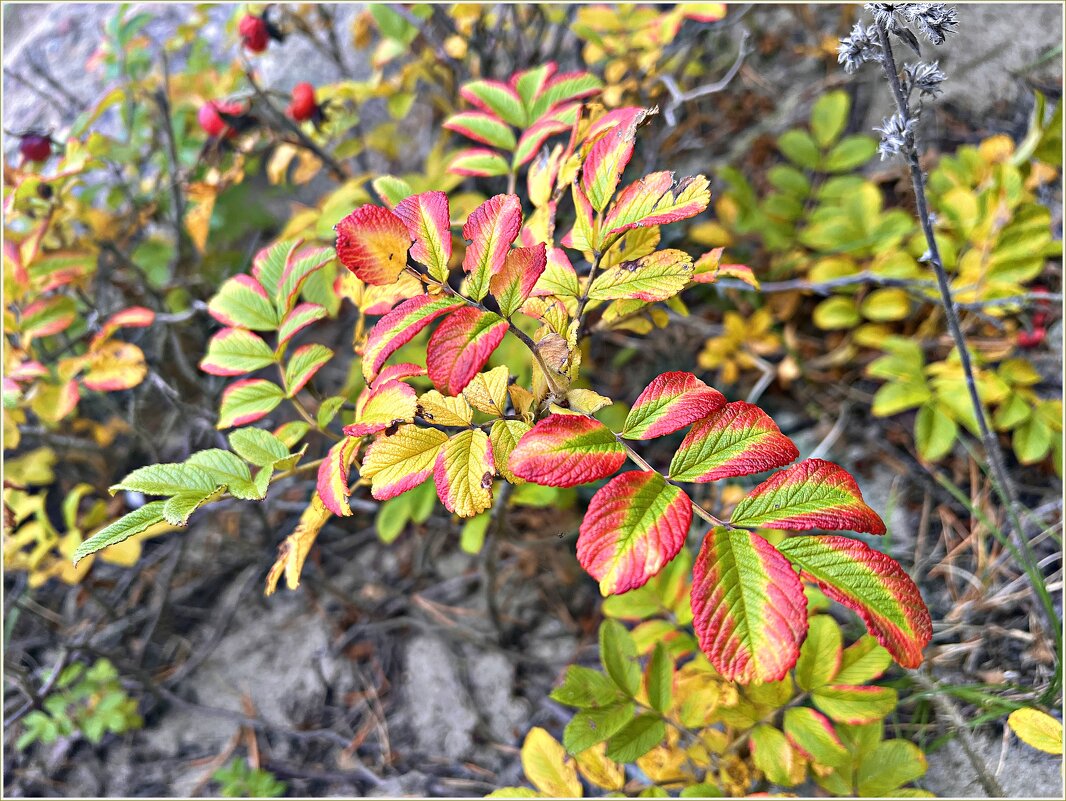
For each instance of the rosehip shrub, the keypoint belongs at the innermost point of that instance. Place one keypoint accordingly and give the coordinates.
(254, 33)
(303, 105)
(35, 147)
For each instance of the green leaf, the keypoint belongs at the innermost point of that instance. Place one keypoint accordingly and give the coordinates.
(772, 754)
(585, 688)
(836, 314)
(820, 653)
(660, 679)
(392, 189)
(227, 469)
(122, 529)
(899, 396)
(815, 735)
(392, 518)
(619, 656)
(799, 148)
(167, 479)
(701, 790)
(890, 765)
(855, 705)
(934, 432)
(243, 303)
(829, 116)
(851, 152)
(638, 737)
(1032, 440)
(303, 365)
(592, 726)
(789, 180)
(328, 409)
(177, 508)
(260, 447)
(247, 401)
(472, 537)
(863, 661)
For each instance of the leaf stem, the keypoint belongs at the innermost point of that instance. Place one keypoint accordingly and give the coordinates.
(644, 465)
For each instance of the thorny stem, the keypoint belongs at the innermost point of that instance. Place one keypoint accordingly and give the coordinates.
(995, 454)
(556, 390)
(1000, 480)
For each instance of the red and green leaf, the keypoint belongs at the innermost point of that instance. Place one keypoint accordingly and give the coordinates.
(373, 242)
(497, 98)
(537, 134)
(298, 319)
(490, 228)
(463, 473)
(656, 200)
(605, 163)
(241, 302)
(398, 462)
(669, 403)
(400, 326)
(388, 404)
(479, 162)
(564, 450)
(737, 440)
(332, 482)
(813, 494)
(132, 317)
(460, 347)
(248, 400)
(427, 219)
(298, 268)
(871, 584)
(563, 88)
(748, 606)
(559, 277)
(302, 366)
(514, 283)
(236, 351)
(634, 526)
(584, 236)
(481, 127)
(658, 276)
(48, 316)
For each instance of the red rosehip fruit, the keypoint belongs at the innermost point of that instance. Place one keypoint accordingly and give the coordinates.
(254, 34)
(1031, 339)
(213, 123)
(35, 147)
(303, 105)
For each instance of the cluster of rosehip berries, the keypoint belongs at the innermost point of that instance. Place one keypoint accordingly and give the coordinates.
(225, 119)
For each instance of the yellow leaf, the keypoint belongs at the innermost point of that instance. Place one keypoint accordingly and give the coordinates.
(586, 401)
(487, 392)
(1037, 729)
(115, 365)
(463, 473)
(198, 218)
(293, 551)
(547, 766)
(444, 411)
(598, 769)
